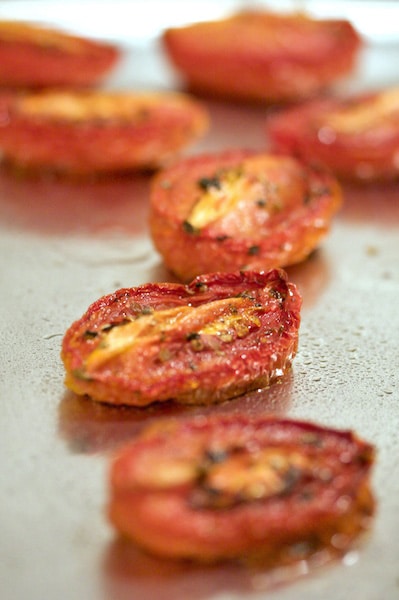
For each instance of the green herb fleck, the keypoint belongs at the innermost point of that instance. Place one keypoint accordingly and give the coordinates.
(275, 294)
(189, 228)
(209, 182)
(193, 335)
(89, 335)
(253, 250)
(245, 294)
(81, 374)
(201, 286)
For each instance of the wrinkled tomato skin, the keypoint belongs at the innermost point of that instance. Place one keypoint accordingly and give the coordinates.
(237, 332)
(260, 56)
(326, 498)
(249, 234)
(364, 155)
(33, 57)
(146, 139)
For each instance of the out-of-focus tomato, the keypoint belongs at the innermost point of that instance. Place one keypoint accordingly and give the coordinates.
(263, 56)
(218, 337)
(239, 210)
(356, 138)
(36, 56)
(80, 132)
(224, 487)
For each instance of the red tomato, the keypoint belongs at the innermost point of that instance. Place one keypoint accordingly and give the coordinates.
(224, 487)
(239, 210)
(35, 56)
(356, 138)
(81, 132)
(263, 56)
(218, 337)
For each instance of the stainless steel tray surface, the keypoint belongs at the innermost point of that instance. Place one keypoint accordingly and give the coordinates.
(64, 244)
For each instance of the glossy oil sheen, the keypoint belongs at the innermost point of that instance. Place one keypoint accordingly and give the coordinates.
(63, 245)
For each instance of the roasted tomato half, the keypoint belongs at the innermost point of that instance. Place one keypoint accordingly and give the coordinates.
(239, 210)
(356, 138)
(95, 131)
(35, 56)
(225, 487)
(263, 56)
(218, 337)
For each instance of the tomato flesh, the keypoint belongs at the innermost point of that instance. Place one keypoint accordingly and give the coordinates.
(32, 56)
(263, 56)
(84, 132)
(355, 138)
(239, 210)
(223, 487)
(218, 337)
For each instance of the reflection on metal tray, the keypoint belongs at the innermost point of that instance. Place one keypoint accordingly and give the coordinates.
(64, 244)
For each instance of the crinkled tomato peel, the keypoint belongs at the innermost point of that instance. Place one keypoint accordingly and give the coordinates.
(263, 56)
(218, 337)
(356, 138)
(87, 131)
(226, 487)
(34, 56)
(239, 210)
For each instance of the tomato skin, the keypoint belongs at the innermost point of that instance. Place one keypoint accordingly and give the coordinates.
(356, 138)
(273, 212)
(220, 336)
(33, 56)
(263, 56)
(84, 132)
(224, 487)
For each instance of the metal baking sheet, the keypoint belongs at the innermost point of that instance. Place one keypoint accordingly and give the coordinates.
(64, 244)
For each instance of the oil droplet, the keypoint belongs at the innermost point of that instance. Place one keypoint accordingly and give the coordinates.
(350, 558)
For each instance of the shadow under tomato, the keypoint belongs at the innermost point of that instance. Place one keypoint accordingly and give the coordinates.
(311, 276)
(129, 572)
(49, 205)
(275, 399)
(376, 203)
(234, 125)
(90, 427)
(159, 272)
